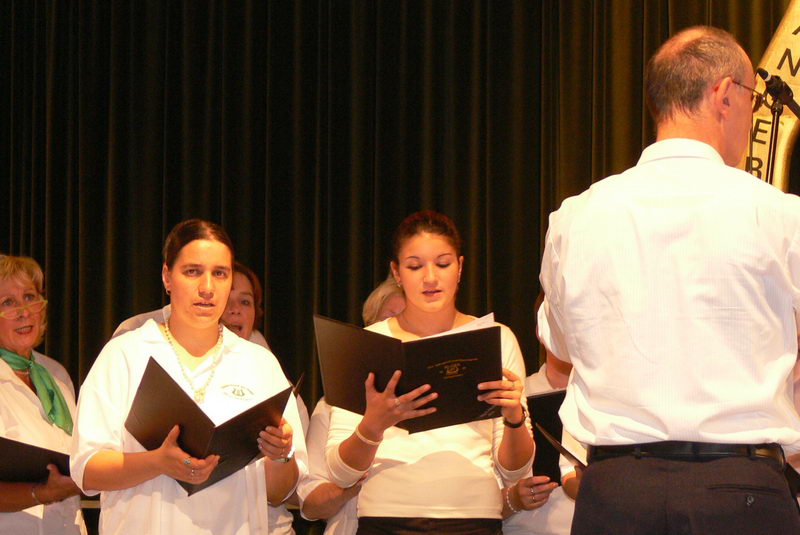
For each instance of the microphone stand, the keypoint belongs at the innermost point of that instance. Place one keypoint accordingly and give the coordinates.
(777, 109)
(781, 94)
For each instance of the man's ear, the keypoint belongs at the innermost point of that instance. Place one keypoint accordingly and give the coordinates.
(721, 96)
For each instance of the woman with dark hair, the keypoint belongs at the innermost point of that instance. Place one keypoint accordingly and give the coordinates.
(37, 406)
(244, 309)
(224, 373)
(443, 480)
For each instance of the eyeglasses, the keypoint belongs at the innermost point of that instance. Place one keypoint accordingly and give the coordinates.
(755, 97)
(12, 313)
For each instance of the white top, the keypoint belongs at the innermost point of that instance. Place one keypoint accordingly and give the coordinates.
(441, 473)
(279, 517)
(555, 516)
(22, 418)
(236, 505)
(345, 521)
(672, 289)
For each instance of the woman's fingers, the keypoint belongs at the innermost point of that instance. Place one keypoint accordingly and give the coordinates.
(419, 402)
(533, 492)
(505, 392)
(413, 395)
(182, 466)
(511, 383)
(511, 376)
(392, 384)
(276, 442)
(196, 470)
(501, 395)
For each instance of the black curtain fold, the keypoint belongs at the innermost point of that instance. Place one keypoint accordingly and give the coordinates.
(309, 129)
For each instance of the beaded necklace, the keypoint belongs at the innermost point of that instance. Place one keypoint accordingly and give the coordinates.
(199, 393)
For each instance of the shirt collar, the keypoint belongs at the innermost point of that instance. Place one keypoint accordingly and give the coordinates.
(7, 373)
(679, 148)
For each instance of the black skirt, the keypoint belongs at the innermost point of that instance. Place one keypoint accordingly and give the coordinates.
(387, 525)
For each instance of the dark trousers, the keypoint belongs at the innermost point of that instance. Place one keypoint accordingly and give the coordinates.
(652, 496)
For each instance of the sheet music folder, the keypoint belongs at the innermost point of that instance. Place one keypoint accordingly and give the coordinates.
(544, 411)
(160, 403)
(21, 462)
(453, 364)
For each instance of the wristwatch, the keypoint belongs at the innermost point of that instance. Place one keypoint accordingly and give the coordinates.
(288, 457)
(514, 425)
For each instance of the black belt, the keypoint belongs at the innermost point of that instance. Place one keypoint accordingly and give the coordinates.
(688, 451)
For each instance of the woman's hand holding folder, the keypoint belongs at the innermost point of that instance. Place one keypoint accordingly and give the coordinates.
(385, 409)
(181, 466)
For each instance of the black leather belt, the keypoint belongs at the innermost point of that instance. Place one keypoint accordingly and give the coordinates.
(688, 451)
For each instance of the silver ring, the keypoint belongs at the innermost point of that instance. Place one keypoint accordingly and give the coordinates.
(187, 461)
(396, 402)
(533, 493)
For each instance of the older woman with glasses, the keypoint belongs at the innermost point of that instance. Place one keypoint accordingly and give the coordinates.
(37, 406)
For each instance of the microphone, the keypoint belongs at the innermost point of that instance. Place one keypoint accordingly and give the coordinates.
(779, 90)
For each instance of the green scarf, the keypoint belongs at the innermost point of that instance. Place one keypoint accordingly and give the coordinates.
(46, 388)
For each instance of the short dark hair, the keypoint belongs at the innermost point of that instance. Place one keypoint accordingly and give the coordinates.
(425, 221)
(683, 67)
(238, 267)
(188, 231)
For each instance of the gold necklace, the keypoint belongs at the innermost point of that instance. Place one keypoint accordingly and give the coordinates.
(200, 393)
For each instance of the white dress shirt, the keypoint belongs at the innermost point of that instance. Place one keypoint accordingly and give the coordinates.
(672, 289)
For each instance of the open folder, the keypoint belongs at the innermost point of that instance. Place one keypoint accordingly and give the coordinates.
(544, 412)
(160, 403)
(21, 462)
(453, 364)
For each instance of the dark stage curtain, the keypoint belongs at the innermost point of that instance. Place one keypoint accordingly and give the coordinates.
(309, 129)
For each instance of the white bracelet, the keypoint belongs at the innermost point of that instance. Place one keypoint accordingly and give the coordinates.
(365, 440)
(508, 500)
(33, 494)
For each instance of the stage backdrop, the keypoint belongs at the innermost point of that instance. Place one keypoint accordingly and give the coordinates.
(309, 129)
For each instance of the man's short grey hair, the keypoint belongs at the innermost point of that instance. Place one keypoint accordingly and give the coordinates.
(685, 65)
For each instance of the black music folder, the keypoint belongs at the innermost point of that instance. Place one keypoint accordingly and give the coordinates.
(544, 411)
(453, 364)
(21, 462)
(160, 403)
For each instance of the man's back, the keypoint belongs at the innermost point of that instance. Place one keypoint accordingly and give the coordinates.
(672, 288)
(675, 282)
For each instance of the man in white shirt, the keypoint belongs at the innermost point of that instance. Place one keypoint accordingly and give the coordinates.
(671, 288)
